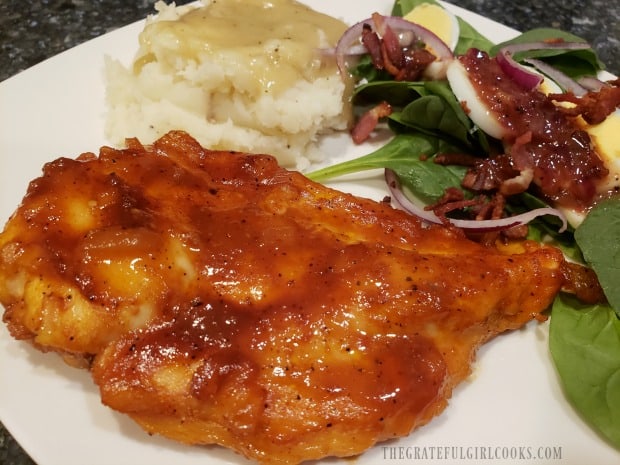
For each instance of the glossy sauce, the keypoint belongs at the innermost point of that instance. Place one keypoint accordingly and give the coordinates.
(226, 300)
(277, 42)
(566, 167)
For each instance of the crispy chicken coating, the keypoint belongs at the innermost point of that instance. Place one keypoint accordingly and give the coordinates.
(219, 298)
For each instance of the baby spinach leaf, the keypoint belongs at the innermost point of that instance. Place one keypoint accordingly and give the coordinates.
(469, 37)
(432, 122)
(400, 149)
(365, 69)
(443, 90)
(585, 346)
(396, 93)
(574, 63)
(598, 237)
(402, 7)
(427, 180)
(545, 228)
(437, 112)
(541, 34)
(433, 115)
(409, 155)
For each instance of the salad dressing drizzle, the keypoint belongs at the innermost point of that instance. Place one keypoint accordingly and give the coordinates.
(566, 168)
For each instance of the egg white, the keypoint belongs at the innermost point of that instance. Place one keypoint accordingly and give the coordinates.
(465, 92)
(605, 136)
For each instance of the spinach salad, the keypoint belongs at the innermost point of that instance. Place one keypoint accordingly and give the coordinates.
(427, 120)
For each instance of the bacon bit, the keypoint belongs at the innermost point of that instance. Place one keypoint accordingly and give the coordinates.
(500, 173)
(392, 51)
(389, 66)
(451, 194)
(416, 61)
(491, 210)
(452, 199)
(460, 159)
(379, 22)
(516, 232)
(387, 54)
(372, 42)
(565, 166)
(465, 108)
(594, 106)
(489, 174)
(495, 210)
(479, 208)
(524, 138)
(368, 122)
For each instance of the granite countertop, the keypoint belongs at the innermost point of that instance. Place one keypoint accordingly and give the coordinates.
(32, 31)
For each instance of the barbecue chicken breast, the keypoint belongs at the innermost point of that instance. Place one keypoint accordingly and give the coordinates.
(219, 298)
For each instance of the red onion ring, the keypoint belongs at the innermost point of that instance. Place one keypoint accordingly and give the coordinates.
(408, 32)
(522, 76)
(557, 76)
(591, 83)
(471, 225)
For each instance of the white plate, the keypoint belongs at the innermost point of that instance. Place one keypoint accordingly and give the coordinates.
(511, 410)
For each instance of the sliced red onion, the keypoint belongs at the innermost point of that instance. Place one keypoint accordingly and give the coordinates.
(525, 78)
(404, 202)
(518, 73)
(591, 83)
(557, 76)
(471, 225)
(408, 32)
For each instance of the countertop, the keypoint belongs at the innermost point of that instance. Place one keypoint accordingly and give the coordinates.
(33, 31)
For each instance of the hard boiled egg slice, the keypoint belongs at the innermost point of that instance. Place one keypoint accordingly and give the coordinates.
(437, 19)
(477, 110)
(605, 138)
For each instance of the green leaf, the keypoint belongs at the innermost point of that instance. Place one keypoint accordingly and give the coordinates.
(598, 237)
(437, 112)
(427, 180)
(401, 149)
(402, 7)
(585, 346)
(574, 63)
(365, 69)
(433, 115)
(545, 228)
(443, 90)
(541, 34)
(397, 93)
(469, 37)
(409, 155)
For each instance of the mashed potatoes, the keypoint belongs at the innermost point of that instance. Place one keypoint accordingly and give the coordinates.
(243, 75)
